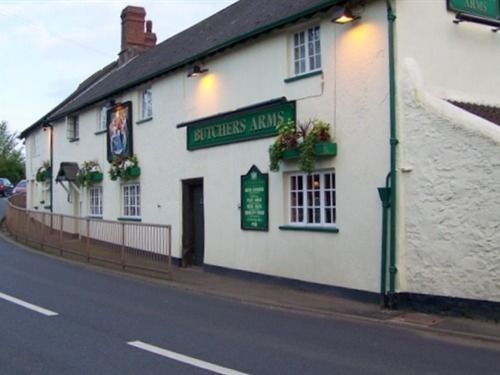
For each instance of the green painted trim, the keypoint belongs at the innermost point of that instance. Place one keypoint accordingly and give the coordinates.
(100, 132)
(139, 122)
(211, 51)
(309, 228)
(123, 218)
(303, 76)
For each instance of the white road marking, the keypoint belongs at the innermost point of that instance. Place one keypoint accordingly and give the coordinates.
(184, 358)
(28, 305)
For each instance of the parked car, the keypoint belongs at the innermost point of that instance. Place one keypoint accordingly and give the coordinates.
(20, 187)
(5, 187)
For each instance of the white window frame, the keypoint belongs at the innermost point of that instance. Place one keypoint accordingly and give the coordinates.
(102, 118)
(131, 200)
(95, 201)
(73, 128)
(312, 199)
(306, 50)
(146, 104)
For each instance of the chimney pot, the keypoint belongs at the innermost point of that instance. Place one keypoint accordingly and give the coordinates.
(134, 39)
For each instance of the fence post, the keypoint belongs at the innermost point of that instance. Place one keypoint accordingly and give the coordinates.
(43, 230)
(61, 218)
(26, 238)
(169, 247)
(123, 245)
(87, 242)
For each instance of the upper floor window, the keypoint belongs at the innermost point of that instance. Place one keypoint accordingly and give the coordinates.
(307, 51)
(147, 104)
(103, 118)
(73, 128)
(312, 199)
(131, 194)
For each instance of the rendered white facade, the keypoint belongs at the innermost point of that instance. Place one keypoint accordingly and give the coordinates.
(352, 94)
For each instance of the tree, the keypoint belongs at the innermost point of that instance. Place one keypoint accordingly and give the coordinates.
(11, 156)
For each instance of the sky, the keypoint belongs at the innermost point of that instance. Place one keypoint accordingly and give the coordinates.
(47, 47)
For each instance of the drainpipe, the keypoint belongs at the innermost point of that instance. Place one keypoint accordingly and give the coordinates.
(51, 152)
(391, 300)
(385, 196)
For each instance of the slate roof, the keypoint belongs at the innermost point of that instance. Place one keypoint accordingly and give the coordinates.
(235, 24)
(489, 113)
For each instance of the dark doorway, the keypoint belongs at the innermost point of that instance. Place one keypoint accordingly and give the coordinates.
(193, 222)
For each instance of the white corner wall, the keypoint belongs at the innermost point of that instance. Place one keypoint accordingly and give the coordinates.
(450, 213)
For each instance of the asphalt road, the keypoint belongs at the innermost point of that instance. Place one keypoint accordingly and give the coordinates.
(85, 321)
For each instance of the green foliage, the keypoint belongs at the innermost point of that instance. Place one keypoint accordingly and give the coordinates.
(316, 131)
(44, 172)
(125, 168)
(89, 173)
(11, 156)
(288, 138)
(303, 138)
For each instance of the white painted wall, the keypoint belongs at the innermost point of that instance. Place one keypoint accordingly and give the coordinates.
(457, 61)
(351, 94)
(450, 222)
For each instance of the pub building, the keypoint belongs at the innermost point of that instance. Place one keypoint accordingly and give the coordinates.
(320, 141)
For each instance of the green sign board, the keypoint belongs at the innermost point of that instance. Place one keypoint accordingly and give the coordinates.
(238, 126)
(482, 8)
(254, 200)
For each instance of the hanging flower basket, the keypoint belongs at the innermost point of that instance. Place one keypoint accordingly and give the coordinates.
(89, 174)
(325, 149)
(131, 172)
(44, 173)
(304, 142)
(124, 168)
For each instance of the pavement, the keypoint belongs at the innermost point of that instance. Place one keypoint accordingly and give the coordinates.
(294, 297)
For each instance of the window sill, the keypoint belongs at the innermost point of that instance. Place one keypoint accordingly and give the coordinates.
(309, 228)
(98, 217)
(71, 140)
(126, 218)
(303, 76)
(144, 120)
(100, 132)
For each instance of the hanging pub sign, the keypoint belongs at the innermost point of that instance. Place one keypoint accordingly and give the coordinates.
(242, 125)
(255, 200)
(119, 131)
(482, 8)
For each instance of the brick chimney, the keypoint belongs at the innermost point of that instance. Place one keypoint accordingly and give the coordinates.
(135, 39)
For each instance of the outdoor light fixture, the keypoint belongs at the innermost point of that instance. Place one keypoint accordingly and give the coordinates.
(196, 70)
(344, 14)
(461, 17)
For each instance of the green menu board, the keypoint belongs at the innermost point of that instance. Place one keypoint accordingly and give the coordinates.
(254, 200)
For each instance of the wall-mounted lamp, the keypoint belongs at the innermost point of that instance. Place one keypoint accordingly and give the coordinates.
(196, 70)
(461, 17)
(344, 14)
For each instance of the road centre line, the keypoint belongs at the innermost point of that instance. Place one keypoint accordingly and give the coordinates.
(184, 358)
(28, 305)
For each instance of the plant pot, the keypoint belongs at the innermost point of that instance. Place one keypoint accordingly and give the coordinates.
(134, 172)
(95, 176)
(325, 149)
(291, 153)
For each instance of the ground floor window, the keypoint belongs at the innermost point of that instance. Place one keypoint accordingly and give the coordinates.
(95, 200)
(312, 199)
(131, 200)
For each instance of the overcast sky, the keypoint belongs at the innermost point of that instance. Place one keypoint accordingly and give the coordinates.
(47, 47)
